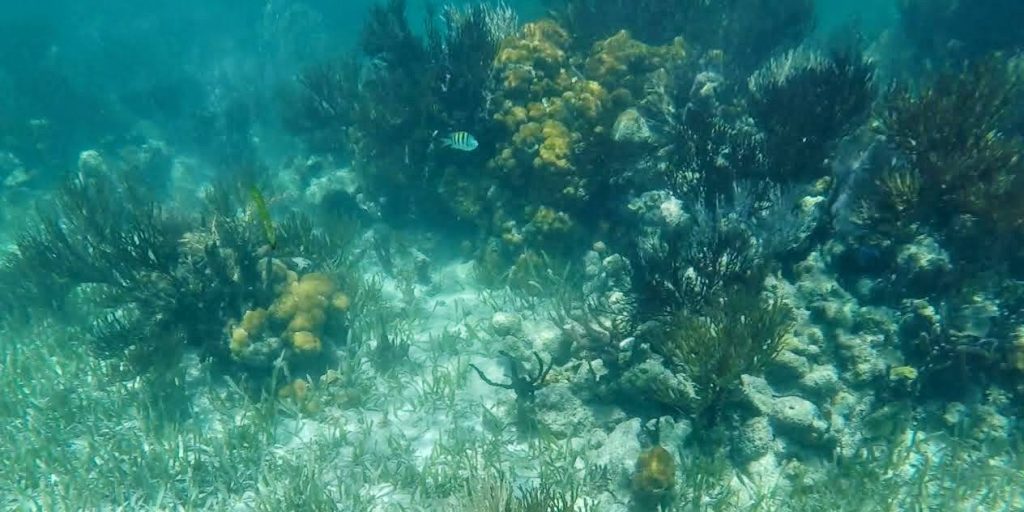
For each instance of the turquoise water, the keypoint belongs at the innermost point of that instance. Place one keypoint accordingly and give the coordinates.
(551, 256)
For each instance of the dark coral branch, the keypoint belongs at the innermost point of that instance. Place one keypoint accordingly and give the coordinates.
(522, 383)
(952, 135)
(739, 336)
(805, 102)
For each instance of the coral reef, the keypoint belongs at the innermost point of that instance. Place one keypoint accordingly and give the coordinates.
(948, 184)
(740, 337)
(561, 108)
(678, 214)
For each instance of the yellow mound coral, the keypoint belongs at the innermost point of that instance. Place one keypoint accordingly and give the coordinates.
(251, 325)
(554, 151)
(305, 341)
(310, 293)
(655, 475)
(541, 47)
(623, 63)
(303, 308)
(550, 111)
(254, 319)
(341, 302)
(549, 221)
(558, 106)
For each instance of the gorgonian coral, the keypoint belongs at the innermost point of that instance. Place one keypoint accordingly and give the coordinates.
(804, 102)
(962, 166)
(389, 105)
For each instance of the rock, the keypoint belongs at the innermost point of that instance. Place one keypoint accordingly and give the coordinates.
(562, 412)
(619, 450)
(788, 368)
(975, 319)
(506, 324)
(631, 127)
(17, 178)
(800, 419)
(659, 209)
(861, 357)
(651, 378)
(705, 86)
(753, 440)
(12, 172)
(756, 392)
(834, 313)
(922, 265)
(822, 381)
(672, 213)
(339, 181)
(671, 432)
(91, 163)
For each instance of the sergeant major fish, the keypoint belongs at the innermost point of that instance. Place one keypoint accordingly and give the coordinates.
(462, 141)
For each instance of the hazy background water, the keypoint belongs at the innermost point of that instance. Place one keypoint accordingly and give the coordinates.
(189, 71)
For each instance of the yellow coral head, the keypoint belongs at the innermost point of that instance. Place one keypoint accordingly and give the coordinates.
(306, 342)
(655, 472)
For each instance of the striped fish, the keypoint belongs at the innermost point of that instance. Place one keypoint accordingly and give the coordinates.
(461, 141)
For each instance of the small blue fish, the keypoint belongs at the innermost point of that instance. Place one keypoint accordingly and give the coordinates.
(461, 141)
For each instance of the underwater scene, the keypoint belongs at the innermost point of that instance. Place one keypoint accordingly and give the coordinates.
(531, 256)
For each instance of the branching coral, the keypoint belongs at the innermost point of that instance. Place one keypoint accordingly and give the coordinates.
(713, 350)
(393, 101)
(711, 148)
(960, 163)
(318, 106)
(523, 384)
(105, 234)
(804, 102)
(717, 246)
(465, 46)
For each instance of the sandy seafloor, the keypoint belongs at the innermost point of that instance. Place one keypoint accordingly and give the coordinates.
(430, 435)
